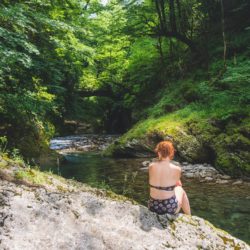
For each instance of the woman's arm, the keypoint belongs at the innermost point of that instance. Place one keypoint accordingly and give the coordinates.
(178, 183)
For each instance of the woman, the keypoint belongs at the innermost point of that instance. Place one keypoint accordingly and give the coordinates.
(166, 193)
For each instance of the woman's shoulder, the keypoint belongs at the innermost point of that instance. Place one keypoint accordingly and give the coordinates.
(151, 165)
(154, 162)
(175, 167)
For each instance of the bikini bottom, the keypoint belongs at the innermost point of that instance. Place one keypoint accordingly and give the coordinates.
(166, 206)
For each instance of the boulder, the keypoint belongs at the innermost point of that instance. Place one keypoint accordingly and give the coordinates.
(92, 219)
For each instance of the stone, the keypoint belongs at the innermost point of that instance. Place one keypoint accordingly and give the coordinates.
(146, 163)
(225, 177)
(94, 221)
(238, 182)
(209, 179)
(82, 143)
(222, 181)
(189, 175)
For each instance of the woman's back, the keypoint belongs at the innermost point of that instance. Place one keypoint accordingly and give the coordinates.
(166, 193)
(163, 174)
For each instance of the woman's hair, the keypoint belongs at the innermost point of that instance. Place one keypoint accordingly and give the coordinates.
(166, 149)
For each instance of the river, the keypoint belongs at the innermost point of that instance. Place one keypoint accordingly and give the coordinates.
(224, 205)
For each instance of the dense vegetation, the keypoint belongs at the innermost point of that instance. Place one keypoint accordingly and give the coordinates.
(107, 65)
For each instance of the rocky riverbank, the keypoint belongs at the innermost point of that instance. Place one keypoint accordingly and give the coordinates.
(82, 143)
(55, 213)
(203, 141)
(99, 143)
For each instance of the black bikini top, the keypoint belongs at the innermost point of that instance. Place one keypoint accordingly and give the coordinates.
(169, 188)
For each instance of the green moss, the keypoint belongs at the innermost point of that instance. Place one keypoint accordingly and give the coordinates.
(187, 220)
(228, 241)
(61, 188)
(114, 196)
(31, 176)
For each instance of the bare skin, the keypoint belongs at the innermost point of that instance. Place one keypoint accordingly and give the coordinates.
(163, 173)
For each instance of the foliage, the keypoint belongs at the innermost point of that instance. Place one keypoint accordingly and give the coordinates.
(110, 65)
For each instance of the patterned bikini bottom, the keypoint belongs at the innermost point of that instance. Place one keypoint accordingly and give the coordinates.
(166, 206)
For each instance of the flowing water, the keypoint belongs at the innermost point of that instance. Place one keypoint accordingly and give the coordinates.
(226, 206)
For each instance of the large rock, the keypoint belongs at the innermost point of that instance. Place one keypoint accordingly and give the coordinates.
(131, 148)
(89, 219)
(195, 142)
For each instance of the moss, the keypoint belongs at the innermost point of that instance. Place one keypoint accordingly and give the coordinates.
(114, 196)
(172, 225)
(218, 135)
(61, 188)
(3, 164)
(31, 176)
(228, 241)
(188, 220)
(35, 138)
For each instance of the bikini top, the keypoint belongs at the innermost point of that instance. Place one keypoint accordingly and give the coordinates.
(169, 188)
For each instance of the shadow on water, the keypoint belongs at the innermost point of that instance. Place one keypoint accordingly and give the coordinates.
(226, 206)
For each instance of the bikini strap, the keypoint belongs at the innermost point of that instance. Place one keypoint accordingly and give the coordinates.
(170, 188)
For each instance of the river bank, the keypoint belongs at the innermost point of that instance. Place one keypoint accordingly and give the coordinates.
(100, 143)
(65, 214)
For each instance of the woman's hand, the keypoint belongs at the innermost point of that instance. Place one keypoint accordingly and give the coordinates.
(178, 183)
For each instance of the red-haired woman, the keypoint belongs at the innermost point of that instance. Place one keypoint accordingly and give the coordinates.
(166, 193)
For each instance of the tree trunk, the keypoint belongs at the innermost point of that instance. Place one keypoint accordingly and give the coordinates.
(172, 18)
(223, 34)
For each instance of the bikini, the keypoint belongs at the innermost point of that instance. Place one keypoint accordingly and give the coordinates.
(165, 206)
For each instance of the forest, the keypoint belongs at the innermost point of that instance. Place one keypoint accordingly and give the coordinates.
(164, 68)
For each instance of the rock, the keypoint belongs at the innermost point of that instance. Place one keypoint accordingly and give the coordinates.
(189, 175)
(238, 182)
(203, 174)
(96, 222)
(209, 179)
(176, 163)
(222, 181)
(83, 143)
(225, 177)
(146, 163)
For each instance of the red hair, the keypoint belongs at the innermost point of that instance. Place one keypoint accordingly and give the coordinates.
(166, 149)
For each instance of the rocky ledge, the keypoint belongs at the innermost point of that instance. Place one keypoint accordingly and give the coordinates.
(44, 211)
(80, 217)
